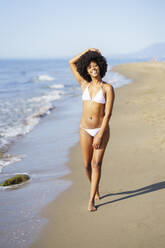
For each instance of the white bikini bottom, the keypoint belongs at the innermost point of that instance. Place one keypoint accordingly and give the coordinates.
(92, 132)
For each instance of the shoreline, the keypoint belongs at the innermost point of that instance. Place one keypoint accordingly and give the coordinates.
(130, 212)
(45, 160)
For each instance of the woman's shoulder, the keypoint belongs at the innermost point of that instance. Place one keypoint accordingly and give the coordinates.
(107, 86)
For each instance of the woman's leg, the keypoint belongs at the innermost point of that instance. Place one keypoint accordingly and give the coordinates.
(96, 169)
(87, 151)
(86, 142)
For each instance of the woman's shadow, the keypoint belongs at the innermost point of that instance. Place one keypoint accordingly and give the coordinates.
(144, 190)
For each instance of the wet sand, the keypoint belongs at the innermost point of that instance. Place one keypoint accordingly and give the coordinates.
(130, 212)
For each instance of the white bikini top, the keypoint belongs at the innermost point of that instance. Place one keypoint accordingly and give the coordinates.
(99, 97)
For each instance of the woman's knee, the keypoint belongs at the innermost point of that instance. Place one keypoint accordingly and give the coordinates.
(96, 164)
(87, 165)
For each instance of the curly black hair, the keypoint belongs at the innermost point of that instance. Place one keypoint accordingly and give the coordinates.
(85, 59)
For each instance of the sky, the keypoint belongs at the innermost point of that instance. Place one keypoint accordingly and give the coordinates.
(64, 28)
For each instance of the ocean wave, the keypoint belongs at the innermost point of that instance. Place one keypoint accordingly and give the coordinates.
(20, 130)
(9, 134)
(44, 110)
(34, 119)
(56, 86)
(25, 116)
(45, 77)
(116, 79)
(51, 96)
(7, 159)
(29, 123)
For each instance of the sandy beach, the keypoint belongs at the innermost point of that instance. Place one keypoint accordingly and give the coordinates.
(130, 212)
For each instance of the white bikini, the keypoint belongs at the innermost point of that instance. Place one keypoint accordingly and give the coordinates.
(99, 97)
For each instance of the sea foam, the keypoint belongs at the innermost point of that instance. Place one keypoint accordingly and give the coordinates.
(56, 86)
(45, 77)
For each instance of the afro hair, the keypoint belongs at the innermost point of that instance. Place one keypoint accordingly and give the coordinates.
(85, 59)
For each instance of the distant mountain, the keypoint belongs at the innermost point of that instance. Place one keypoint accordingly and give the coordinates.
(154, 51)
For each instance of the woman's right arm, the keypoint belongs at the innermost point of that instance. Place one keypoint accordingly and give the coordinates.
(74, 68)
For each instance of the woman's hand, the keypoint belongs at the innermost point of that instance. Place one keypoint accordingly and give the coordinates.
(72, 61)
(93, 50)
(96, 142)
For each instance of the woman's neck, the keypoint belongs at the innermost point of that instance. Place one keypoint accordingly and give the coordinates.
(96, 80)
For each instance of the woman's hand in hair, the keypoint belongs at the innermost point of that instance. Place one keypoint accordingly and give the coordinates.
(94, 50)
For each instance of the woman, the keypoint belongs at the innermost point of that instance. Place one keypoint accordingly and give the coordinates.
(89, 67)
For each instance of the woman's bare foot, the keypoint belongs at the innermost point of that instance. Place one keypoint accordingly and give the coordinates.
(91, 206)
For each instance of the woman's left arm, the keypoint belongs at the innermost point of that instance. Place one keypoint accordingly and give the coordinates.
(110, 96)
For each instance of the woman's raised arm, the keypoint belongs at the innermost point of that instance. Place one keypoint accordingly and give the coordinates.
(74, 68)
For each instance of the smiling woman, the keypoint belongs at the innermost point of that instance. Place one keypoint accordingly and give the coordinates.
(91, 59)
(89, 68)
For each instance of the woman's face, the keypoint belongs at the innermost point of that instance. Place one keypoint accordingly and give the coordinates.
(93, 69)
